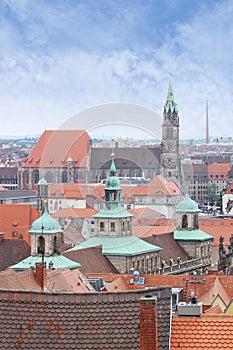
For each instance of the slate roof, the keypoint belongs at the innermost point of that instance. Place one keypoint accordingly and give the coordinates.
(55, 146)
(170, 248)
(125, 246)
(13, 251)
(125, 157)
(205, 332)
(32, 320)
(92, 260)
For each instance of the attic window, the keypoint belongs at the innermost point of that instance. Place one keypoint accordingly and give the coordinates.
(222, 223)
(81, 278)
(15, 223)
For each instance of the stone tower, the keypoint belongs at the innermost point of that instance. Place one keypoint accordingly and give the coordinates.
(170, 137)
(113, 220)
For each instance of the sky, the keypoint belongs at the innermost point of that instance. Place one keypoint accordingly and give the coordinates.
(59, 58)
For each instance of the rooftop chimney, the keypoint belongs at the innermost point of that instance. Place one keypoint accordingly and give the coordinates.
(148, 323)
(193, 309)
(41, 274)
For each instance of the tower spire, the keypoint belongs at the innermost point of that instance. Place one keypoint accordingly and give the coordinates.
(170, 92)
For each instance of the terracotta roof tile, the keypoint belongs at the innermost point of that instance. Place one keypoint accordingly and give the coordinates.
(76, 213)
(217, 227)
(215, 171)
(55, 146)
(202, 333)
(16, 219)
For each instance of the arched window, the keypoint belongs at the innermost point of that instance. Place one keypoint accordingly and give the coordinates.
(49, 177)
(184, 222)
(196, 226)
(35, 176)
(64, 177)
(40, 245)
(55, 250)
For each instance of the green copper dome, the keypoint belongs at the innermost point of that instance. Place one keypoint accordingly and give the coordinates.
(187, 205)
(69, 160)
(113, 183)
(42, 181)
(45, 224)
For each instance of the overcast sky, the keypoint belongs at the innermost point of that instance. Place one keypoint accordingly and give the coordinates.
(60, 57)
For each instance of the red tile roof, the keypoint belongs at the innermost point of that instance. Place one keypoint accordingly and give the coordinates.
(16, 220)
(218, 171)
(75, 213)
(205, 332)
(55, 146)
(215, 310)
(229, 189)
(160, 226)
(66, 191)
(217, 227)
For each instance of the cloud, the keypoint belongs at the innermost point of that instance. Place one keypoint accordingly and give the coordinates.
(58, 58)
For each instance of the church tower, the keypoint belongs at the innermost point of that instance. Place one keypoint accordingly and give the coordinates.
(113, 220)
(170, 137)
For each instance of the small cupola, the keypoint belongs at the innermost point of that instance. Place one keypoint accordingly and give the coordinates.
(45, 235)
(187, 214)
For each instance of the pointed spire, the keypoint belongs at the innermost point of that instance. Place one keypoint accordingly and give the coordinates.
(113, 167)
(170, 103)
(170, 92)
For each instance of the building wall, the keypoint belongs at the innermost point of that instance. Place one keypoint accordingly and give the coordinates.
(113, 227)
(56, 204)
(143, 263)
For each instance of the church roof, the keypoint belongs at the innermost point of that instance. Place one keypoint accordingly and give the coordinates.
(170, 103)
(45, 224)
(59, 262)
(125, 246)
(56, 146)
(191, 235)
(187, 205)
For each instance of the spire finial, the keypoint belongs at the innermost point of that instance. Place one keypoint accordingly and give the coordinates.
(113, 167)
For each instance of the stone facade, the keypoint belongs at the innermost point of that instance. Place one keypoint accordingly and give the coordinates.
(170, 166)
